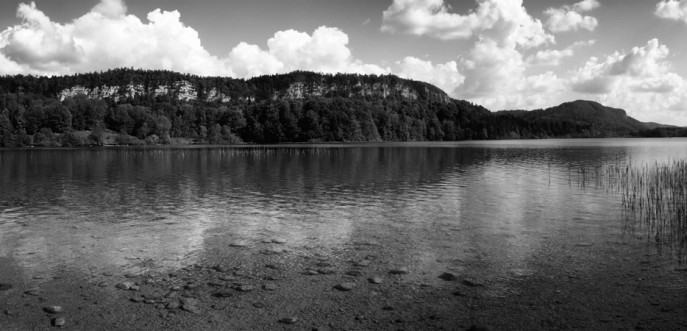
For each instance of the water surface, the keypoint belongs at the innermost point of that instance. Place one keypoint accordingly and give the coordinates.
(496, 206)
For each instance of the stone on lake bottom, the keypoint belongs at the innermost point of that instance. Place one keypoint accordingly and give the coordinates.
(399, 271)
(375, 280)
(173, 305)
(279, 241)
(311, 272)
(288, 320)
(448, 276)
(223, 294)
(59, 322)
(52, 309)
(354, 273)
(125, 285)
(471, 283)
(326, 271)
(244, 288)
(269, 287)
(345, 286)
(5, 287)
(136, 299)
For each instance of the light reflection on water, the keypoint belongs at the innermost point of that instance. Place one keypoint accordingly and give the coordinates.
(492, 205)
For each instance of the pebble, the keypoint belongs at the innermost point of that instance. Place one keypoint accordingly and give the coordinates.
(226, 278)
(160, 306)
(288, 320)
(125, 285)
(5, 287)
(52, 309)
(272, 266)
(59, 321)
(223, 294)
(173, 305)
(108, 274)
(312, 272)
(130, 275)
(136, 299)
(471, 283)
(176, 288)
(279, 241)
(221, 268)
(324, 264)
(363, 263)
(269, 287)
(399, 271)
(34, 292)
(238, 244)
(447, 276)
(354, 273)
(103, 284)
(345, 286)
(216, 284)
(244, 288)
(149, 301)
(259, 305)
(326, 271)
(375, 280)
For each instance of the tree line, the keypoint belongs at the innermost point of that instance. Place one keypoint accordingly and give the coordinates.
(31, 114)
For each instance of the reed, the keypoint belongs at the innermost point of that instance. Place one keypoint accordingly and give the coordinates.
(654, 198)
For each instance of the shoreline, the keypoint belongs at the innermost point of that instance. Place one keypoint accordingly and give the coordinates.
(269, 285)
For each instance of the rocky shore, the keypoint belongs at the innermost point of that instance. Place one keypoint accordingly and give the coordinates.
(267, 286)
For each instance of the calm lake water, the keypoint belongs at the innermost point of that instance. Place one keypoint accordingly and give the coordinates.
(497, 205)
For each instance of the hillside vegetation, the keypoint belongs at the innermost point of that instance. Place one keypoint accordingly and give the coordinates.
(151, 107)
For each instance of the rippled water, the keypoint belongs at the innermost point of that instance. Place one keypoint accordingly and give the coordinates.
(496, 205)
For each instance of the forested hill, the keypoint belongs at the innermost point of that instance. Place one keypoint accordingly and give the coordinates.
(150, 107)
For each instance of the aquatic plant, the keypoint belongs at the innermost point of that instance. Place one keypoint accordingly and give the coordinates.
(654, 198)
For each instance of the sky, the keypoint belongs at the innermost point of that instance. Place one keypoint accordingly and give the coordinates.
(502, 54)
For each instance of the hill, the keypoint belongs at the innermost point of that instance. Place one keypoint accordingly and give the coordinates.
(580, 118)
(154, 106)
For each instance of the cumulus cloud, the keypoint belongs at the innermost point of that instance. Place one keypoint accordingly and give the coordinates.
(641, 81)
(553, 57)
(445, 76)
(672, 10)
(570, 18)
(505, 20)
(107, 37)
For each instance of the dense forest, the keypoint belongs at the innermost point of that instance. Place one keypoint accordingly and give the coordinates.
(152, 107)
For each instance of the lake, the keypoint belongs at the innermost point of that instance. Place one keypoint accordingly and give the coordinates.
(495, 207)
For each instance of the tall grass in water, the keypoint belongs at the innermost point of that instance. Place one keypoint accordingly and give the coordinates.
(654, 198)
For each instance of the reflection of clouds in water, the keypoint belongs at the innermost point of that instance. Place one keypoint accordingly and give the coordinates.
(49, 245)
(130, 209)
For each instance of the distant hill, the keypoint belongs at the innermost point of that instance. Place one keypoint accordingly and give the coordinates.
(155, 106)
(588, 118)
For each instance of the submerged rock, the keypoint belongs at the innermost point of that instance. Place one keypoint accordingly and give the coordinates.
(288, 320)
(52, 309)
(448, 276)
(59, 321)
(345, 286)
(375, 280)
(471, 283)
(399, 271)
(125, 285)
(5, 286)
(269, 287)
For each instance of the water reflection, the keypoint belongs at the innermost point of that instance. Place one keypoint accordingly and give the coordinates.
(496, 205)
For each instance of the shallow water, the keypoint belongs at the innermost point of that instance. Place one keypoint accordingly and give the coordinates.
(493, 207)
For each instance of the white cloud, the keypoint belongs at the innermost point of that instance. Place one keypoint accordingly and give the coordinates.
(107, 37)
(672, 9)
(445, 76)
(570, 18)
(503, 20)
(553, 57)
(640, 81)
